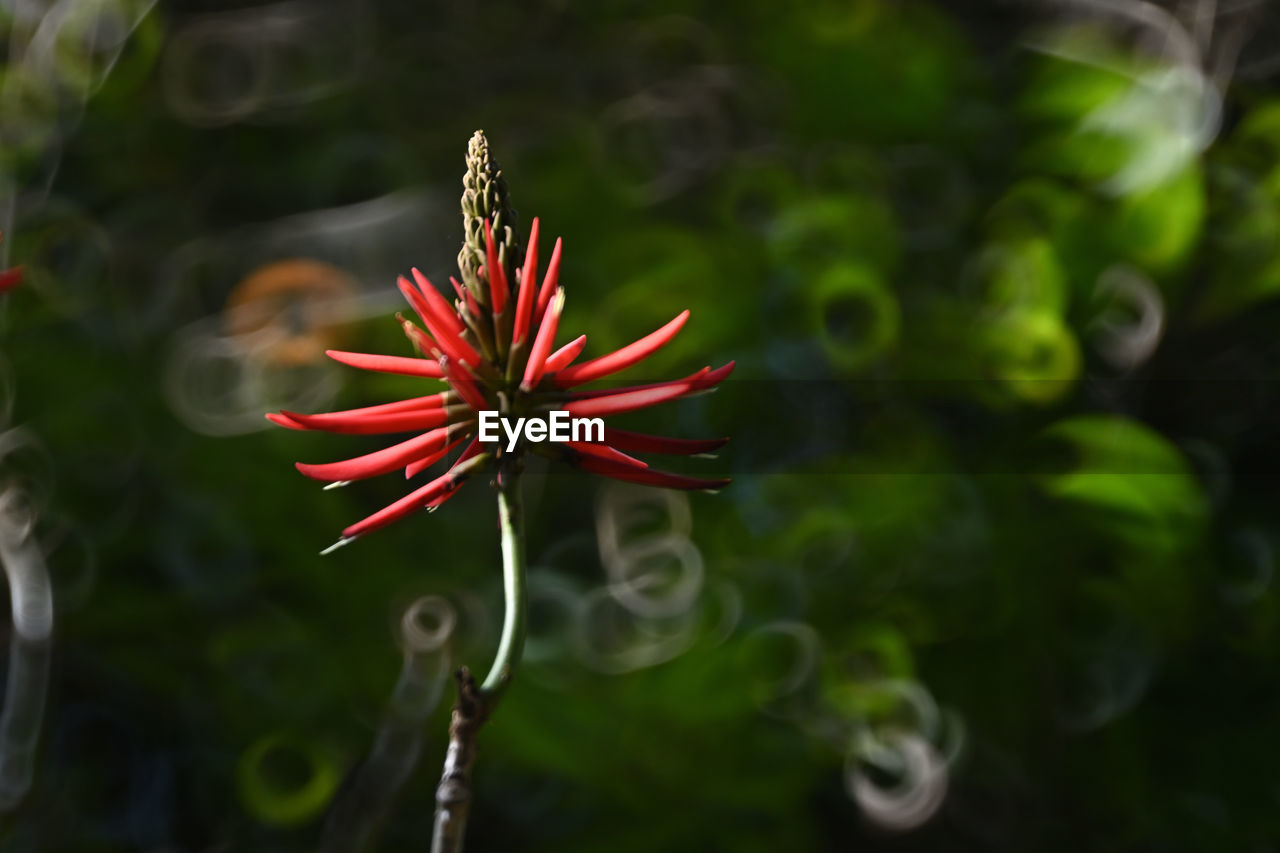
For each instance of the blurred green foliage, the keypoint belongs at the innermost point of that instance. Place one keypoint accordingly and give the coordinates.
(1002, 288)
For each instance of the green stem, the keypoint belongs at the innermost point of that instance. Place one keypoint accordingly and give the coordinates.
(476, 702)
(515, 598)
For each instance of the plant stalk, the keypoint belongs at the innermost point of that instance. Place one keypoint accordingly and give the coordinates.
(476, 702)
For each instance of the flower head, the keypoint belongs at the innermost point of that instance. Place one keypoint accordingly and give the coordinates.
(494, 347)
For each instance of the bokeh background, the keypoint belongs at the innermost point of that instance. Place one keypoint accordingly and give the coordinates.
(997, 568)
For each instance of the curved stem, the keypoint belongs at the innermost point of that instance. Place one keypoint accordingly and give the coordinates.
(515, 599)
(476, 702)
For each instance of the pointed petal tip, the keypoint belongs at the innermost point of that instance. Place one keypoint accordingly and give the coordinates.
(421, 279)
(308, 469)
(627, 356)
(283, 419)
(341, 543)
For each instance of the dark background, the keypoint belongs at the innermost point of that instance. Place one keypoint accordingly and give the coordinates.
(999, 279)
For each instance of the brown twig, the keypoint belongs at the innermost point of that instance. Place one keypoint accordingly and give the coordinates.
(453, 795)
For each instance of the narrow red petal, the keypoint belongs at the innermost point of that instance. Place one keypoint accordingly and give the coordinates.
(542, 344)
(421, 340)
(379, 424)
(416, 299)
(447, 332)
(419, 498)
(608, 392)
(473, 449)
(433, 401)
(410, 503)
(430, 401)
(388, 363)
(433, 504)
(413, 404)
(493, 270)
(416, 467)
(623, 358)
(704, 375)
(630, 399)
(467, 299)
(564, 356)
(626, 401)
(440, 308)
(647, 476)
(604, 451)
(707, 381)
(549, 283)
(284, 421)
(380, 461)
(462, 382)
(525, 297)
(638, 442)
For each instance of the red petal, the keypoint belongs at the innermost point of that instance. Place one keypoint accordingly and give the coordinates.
(549, 283)
(493, 270)
(647, 476)
(416, 467)
(416, 299)
(711, 379)
(466, 387)
(630, 399)
(604, 451)
(699, 380)
(605, 392)
(626, 401)
(640, 443)
(446, 328)
(421, 340)
(564, 356)
(415, 500)
(432, 401)
(381, 461)
(472, 449)
(284, 421)
(466, 297)
(623, 358)
(524, 300)
(439, 307)
(432, 504)
(537, 362)
(359, 424)
(388, 363)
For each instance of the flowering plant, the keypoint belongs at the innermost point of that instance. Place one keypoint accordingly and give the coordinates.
(494, 347)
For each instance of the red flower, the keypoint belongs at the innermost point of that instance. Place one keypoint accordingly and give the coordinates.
(497, 353)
